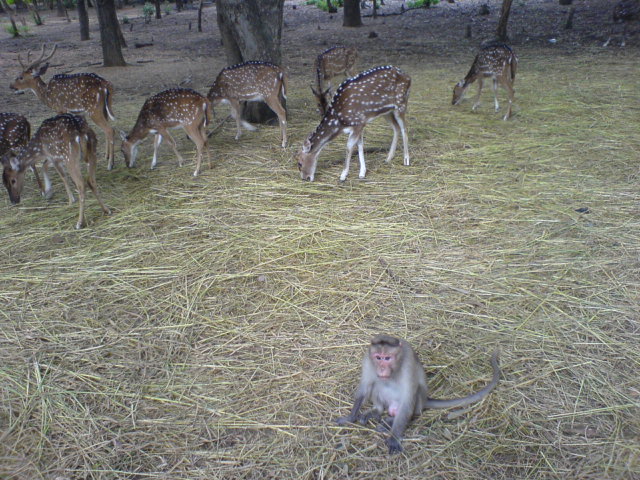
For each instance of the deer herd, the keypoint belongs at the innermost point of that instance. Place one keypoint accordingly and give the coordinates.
(66, 140)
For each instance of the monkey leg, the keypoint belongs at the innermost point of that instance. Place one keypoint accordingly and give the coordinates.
(385, 425)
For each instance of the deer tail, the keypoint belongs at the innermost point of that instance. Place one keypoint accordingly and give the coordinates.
(108, 112)
(284, 84)
(514, 67)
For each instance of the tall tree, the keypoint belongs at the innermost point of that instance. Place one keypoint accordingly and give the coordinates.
(12, 19)
(501, 32)
(110, 34)
(251, 30)
(158, 12)
(83, 17)
(352, 16)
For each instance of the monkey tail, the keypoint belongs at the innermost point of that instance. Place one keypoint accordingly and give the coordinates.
(474, 397)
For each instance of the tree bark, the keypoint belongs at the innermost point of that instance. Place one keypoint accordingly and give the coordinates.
(83, 18)
(59, 8)
(11, 14)
(110, 34)
(501, 32)
(158, 12)
(251, 30)
(352, 17)
(200, 6)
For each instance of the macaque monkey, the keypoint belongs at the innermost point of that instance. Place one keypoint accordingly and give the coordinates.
(393, 379)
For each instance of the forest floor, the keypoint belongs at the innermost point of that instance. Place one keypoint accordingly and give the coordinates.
(213, 327)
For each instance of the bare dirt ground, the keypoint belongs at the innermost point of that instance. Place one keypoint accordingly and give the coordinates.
(212, 327)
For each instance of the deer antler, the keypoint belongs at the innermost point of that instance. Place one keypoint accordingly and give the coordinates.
(40, 60)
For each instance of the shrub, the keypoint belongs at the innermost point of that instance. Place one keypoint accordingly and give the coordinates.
(422, 3)
(148, 10)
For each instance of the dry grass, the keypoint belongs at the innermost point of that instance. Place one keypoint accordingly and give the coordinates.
(212, 327)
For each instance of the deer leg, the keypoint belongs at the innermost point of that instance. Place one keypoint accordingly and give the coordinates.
(394, 123)
(399, 116)
(35, 173)
(476, 101)
(363, 166)
(174, 145)
(157, 140)
(47, 193)
(198, 136)
(236, 113)
(93, 184)
(65, 180)
(495, 93)
(76, 175)
(99, 119)
(351, 144)
(275, 105)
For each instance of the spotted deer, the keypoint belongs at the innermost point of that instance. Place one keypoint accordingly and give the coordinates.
(248, 82)
(76, 93)
(329, 64)
(496, 61)
(15, 132)
(381, 91)
(625, 12)
(64, 141)
(173, 108)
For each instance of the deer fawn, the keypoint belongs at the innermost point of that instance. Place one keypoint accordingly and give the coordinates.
(15, 132)
(247, 82)
(172, 108)
(497, 61)
(358, 100)
(77, 93)
(625, 11)
(331, 63)
(65, 141)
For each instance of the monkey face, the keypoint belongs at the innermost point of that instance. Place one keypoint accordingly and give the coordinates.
(385, 363)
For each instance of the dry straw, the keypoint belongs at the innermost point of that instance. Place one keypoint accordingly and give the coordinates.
(213, 327)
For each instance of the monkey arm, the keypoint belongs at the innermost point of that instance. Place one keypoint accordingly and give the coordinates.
(474, 397)
(354, 415)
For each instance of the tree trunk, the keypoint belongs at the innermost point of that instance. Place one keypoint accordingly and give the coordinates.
(83, 17)
(331, 8)
(179, 5)
(158, 12)
(352, 17)
(200, 15)
(501, 32)
(11, 13)
(110, 34)
(251, 30)
(59, 8)
(33, 8)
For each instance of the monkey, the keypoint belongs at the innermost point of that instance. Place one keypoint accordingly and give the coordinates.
(393, 379)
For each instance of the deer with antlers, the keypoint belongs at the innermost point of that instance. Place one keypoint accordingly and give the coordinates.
(15, 132)
(496, 61)
(329, 64)
(381, 91)
(65, 141)
(173, 108)
(76, 93)
(247, 82)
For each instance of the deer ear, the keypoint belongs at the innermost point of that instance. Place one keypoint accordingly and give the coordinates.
(306, 146)
(14, 163)
(42, 70)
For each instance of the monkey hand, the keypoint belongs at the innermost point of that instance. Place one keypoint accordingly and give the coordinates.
(394, 445)
(344, 420)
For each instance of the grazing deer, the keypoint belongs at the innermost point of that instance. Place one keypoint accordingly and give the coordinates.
(359, 100)
(15, 132)
(248, 82)
(77, 93)
(497, 61)
(172, 108)
(64, 141)
(625, 11)
(331, 63)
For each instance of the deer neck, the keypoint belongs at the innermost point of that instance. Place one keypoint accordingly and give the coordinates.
(44, 95)
(329, 128)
